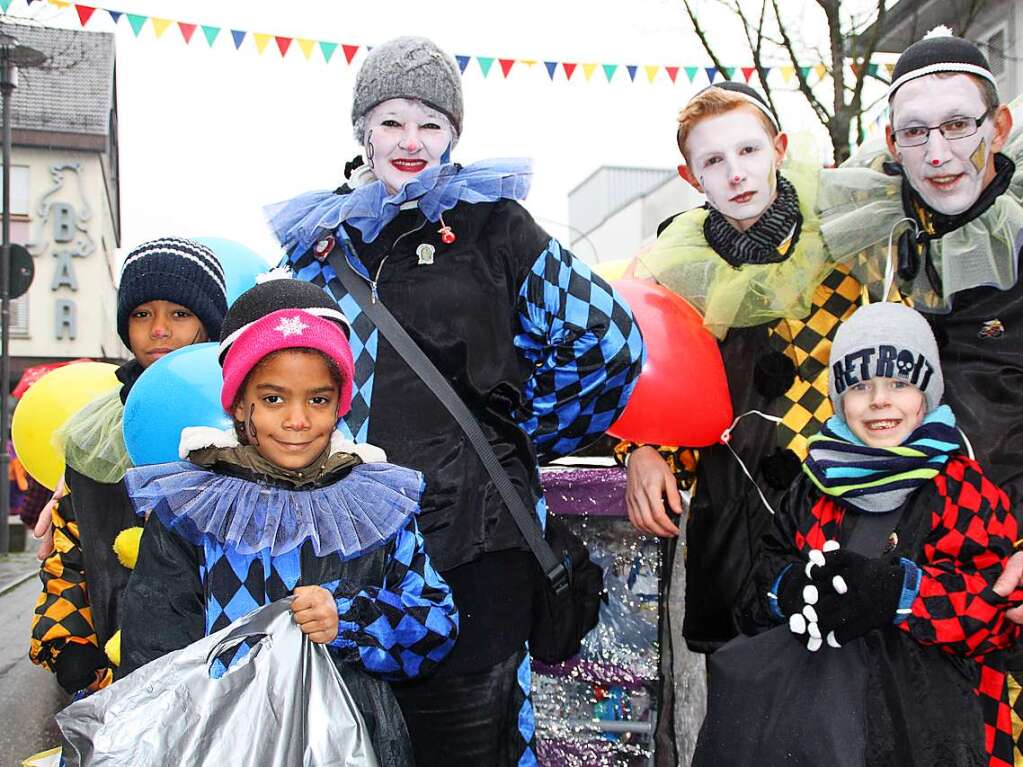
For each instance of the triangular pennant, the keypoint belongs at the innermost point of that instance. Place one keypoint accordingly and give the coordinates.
(115, 16)
(261, 41)
(588, 70)
(551, 66)
(672, 72)
(691, 73)
(872, 70)
(463, 62)
(786, 73)
(283, 43)
(506, 65)
(5, 4)
(821, 70)
(631, 69)
(211, 34)
(805, 72)
(856, 69)
(729, 72)
(84, 13)
(747, 73)
(306, 47)
(159, 25)
(527, 62)
(327, 49)
(569, 68)
(609, 71)
(651, 72)
(711, 73)
(238, 35)
(890, 69)
(485, 63)
(137, 22)
(349, 51)
(187, 30)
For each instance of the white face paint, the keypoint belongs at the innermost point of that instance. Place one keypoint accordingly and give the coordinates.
(949, 175)
(733, 157)
(403, 138)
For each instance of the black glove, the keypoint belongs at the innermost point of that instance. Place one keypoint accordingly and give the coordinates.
(77, 665)
(872, 589)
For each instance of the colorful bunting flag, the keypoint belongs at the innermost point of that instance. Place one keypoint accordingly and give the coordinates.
(551, 66)
(238, 35)
(672, 72)
(651, 72)
(609, 71)
(729, 72)
(137, 22)
(187, 30)
(327, 49)
(569, 68)
(711, 72)
(349, 51)
(786, 73)
(631, 68)
(463, 62)
(84, 13)
(283, 43)
(211, 34)
(159, 25)
(261, 41)
(821, 71)
(747, 73)
(115, 16)
(485, 63)
(506, 65)
(306, 46)
(691, 73)
(5, 4)
(805, 72)
(588, 70)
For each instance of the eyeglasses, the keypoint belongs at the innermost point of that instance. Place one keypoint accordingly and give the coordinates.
(956, 128)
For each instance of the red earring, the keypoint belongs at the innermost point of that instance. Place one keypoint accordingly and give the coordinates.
(447, 236)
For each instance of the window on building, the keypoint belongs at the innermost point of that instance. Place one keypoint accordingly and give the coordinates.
(19, 190)
(19, 315)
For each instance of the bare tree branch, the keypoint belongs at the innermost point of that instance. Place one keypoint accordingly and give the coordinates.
(703, 37)
(804, 86)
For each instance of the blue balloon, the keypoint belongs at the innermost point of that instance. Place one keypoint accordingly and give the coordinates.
(241, 264)
(179, 390)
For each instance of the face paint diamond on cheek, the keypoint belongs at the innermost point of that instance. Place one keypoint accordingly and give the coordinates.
(404, 137)
(949, 174)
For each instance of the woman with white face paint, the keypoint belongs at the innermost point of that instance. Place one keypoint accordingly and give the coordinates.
(544, 367)
(942, 200)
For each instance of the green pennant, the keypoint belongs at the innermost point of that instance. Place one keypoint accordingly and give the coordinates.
(328, 50)
(485, 64)
(872, 70)
(609, 71)
(729, 71)
(211, 34)
(5, 4)
(691, 72)
(136, 22)
(805, 71)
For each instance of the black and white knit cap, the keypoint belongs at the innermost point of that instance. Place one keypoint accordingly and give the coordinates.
(275, 292)
(939, 51)
(177, 270)
(408, 68)
(886, 340)
(750, 94)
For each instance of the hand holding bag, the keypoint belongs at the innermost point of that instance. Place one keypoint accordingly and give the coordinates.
(284, 703)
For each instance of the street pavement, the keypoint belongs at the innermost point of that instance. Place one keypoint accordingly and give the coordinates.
(29, 695)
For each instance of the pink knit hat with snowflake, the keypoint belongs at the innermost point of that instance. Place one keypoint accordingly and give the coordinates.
(283, 314)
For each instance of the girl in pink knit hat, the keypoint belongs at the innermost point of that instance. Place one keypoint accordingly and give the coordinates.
(281, 505)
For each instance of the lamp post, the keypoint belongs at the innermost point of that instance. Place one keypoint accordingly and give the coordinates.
(12, 56)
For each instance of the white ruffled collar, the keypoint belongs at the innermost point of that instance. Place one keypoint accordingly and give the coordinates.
(200, 437)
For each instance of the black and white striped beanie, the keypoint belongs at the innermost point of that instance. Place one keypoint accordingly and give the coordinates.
(939, 51)
(177, 270)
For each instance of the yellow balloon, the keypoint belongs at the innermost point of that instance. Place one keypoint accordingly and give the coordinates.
(47, 406)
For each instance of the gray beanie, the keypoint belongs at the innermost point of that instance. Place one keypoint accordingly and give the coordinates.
(886, 340)
(408, 68)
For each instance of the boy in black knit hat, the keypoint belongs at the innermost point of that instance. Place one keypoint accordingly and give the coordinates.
(172, 293)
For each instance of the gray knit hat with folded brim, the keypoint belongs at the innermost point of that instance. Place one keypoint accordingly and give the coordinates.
(408, 68)
(886, 340)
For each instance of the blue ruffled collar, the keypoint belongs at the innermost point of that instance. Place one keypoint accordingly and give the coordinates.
(355, 515)
(299, 223)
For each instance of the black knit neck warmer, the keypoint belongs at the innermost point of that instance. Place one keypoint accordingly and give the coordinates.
(915, 246)
(759, 244)
(128, 374)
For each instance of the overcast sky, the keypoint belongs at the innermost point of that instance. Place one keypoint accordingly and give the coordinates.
(208, 136)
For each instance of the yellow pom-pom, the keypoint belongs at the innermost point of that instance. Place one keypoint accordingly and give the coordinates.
(126, 546)
(113, 649)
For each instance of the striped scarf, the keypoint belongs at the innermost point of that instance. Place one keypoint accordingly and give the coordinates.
(879, 479)
(765, 241)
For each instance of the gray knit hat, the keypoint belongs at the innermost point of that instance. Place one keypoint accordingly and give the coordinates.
(408, 68)
(886, 340)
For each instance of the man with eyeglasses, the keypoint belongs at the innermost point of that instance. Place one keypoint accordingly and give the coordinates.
(937, 212)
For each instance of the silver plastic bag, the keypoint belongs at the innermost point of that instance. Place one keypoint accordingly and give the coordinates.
(284, 703)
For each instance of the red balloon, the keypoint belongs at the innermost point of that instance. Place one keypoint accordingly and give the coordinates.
(681, 397)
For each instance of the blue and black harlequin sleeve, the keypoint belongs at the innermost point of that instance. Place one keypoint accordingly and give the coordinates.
(406, 626)
(586, 350)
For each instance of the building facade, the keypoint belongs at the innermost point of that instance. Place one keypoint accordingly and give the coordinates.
(65, 198)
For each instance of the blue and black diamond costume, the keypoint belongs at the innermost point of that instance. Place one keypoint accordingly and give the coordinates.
(543, 352)
(229, 532)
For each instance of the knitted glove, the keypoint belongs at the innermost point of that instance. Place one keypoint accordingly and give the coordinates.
(855, 594)
(788, 595)
(77, 664)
